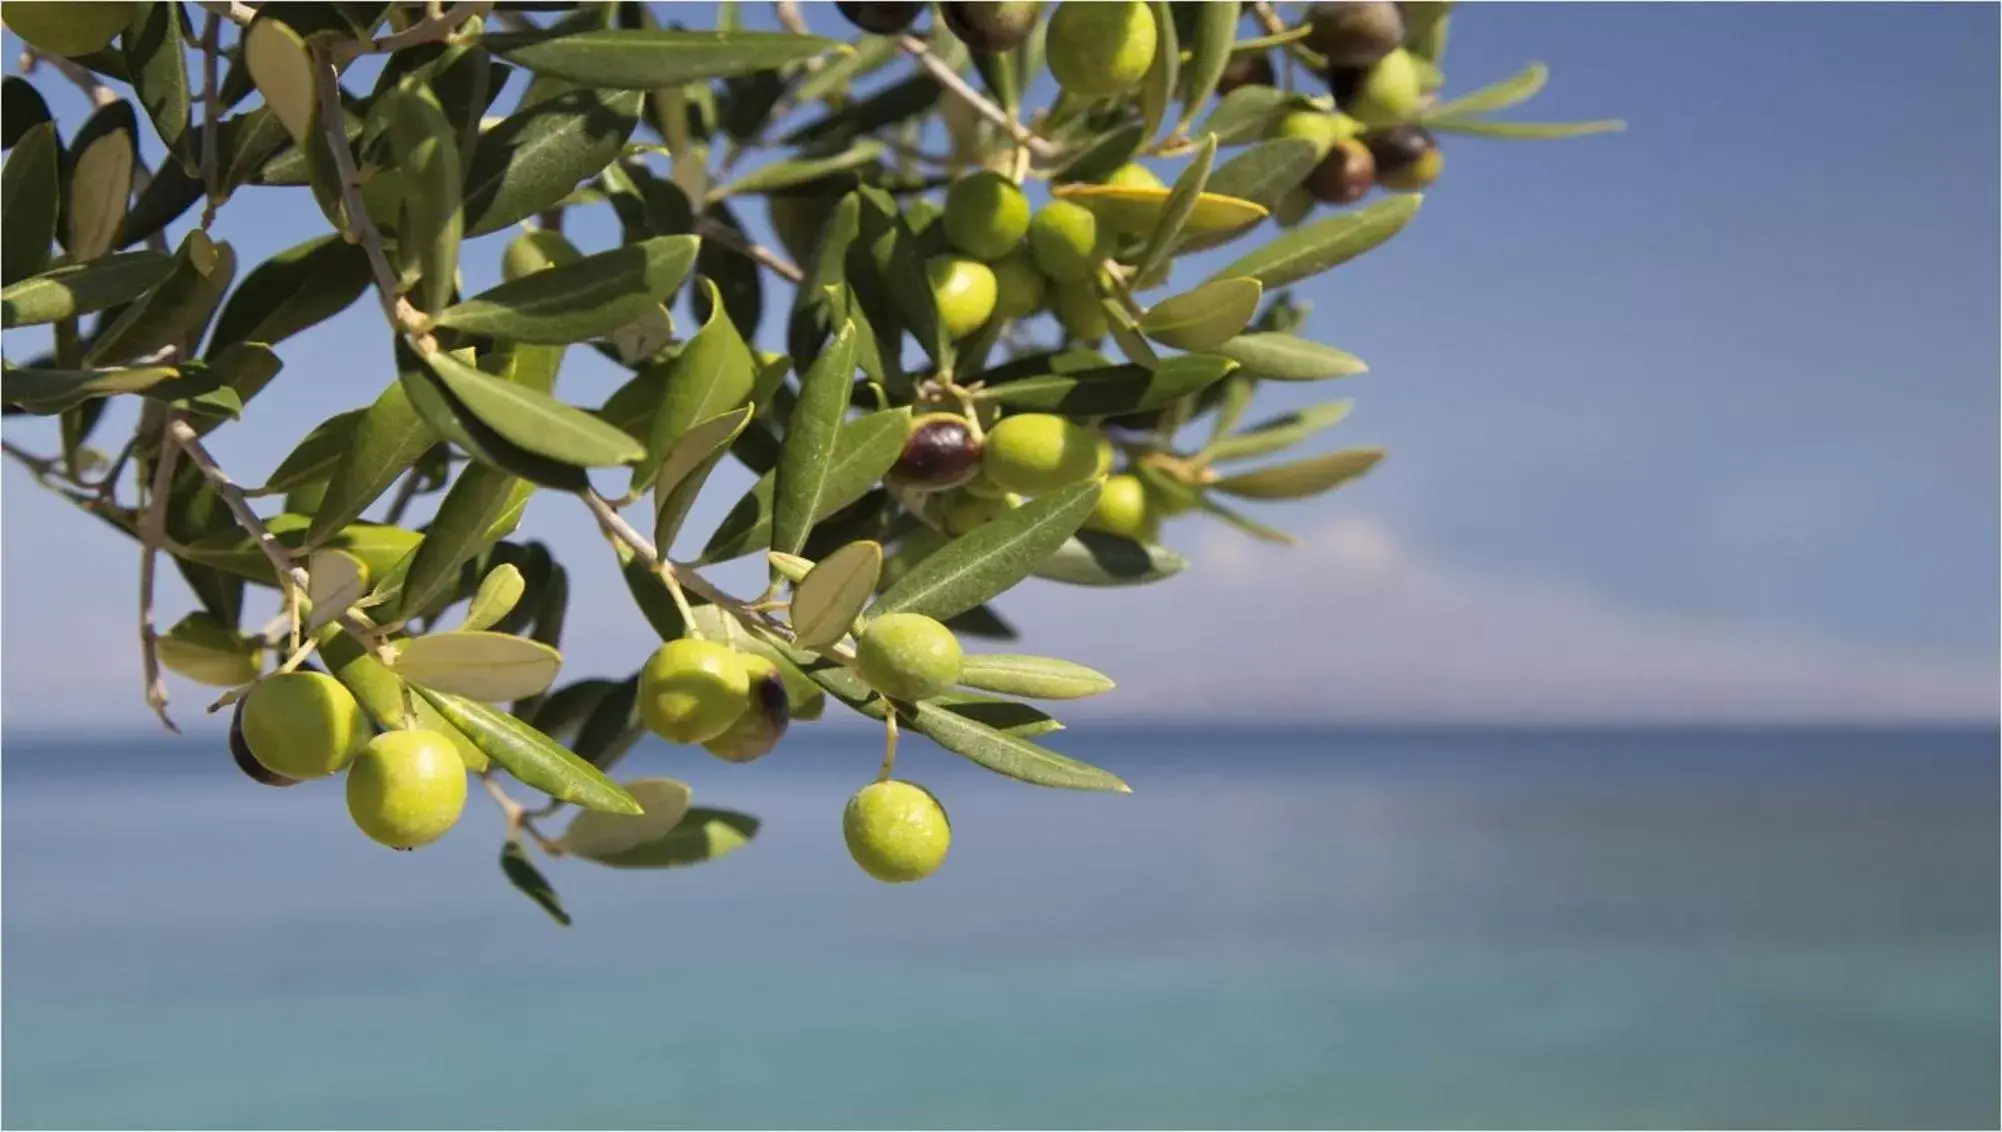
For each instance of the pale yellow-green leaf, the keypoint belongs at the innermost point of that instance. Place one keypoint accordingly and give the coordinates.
(335, 580)
(833, 593)
(594, 835)
(484, 666)
(1206, 317)
(282, 69)
(1139, 209)
(498, 593)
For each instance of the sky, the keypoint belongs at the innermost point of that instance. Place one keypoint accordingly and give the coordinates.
(1692, 423)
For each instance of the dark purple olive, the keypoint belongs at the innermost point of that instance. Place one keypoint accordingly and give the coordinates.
(1345, 175)
(1252, 69)
(239, 749)
(991, 25)
(1407, 157)
(1355, 33)
(879, 17)
(940, 453)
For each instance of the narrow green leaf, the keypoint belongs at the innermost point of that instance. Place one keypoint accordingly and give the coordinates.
(297, 289)
(315, 456)
(650, 59)
(500, 591)
(1310, 249)
(1529, 131)
(899, 261)
(579, 301)
(538, 154)
(804, 466)
(1007, 754)
(864, 449)
(1036, 677)
(1302, 478)
(562, 712)
(1158, 85)
(282, 69)
(1107, 153)
(1181, 204)
(1283, 357)
(53, 390)
(702, 835)
(384, 442)
(788, 173)
(523, 874)
(22, 108)
(1264, 172)
(30, 194)
(431, 223)
(1277, 434)
(830, 597)
(992, 557)
(174, 310)
(479, 665)
(1216, 30)
(1204, 318)
(379, 691)
(535, 422)
(1012, 717)
(711, 376)
(153, 47)
(1425, 26)
(84, 288)
(1260, 531)
(451, 420)
(1094, 558)
(97, 181)
(1512, 91)
(461, 529)
(738, 278)
(1113, 389)
(530, 755)
(1244, 113)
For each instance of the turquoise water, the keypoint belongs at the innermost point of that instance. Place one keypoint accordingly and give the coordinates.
(1278, 929)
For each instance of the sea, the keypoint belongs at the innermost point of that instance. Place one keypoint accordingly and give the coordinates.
(1278, 928)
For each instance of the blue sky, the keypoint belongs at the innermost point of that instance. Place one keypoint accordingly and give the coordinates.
(1694, 422)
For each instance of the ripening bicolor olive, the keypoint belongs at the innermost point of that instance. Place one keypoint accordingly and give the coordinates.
(992, 25)
(68, 29)
(1134, 175)
(536, 251)
(1123, 509)
(1390, 91)
(1098, 48)
(896, 831)
(692, 690)
(762, 723)
(1079, 311)
(1345, 175)
(239, 750)
(1250, 68)
(940, 452)
(1354, 33)
(880, 17)
(1067, 241)
(1033, 453)
(1018, 286)
(963, 511)
(407, 788)
(964, 290)
(303, 724)
(986, 215)
(1321, 128)
(1407, 157)
(908, 656)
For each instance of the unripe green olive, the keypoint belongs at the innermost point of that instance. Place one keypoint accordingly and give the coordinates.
(896, 831)
(1102, 47)
(407, 788)
(762, 723)
(939, 453)
(1079, 311)
(303, 724)
(691, 691)
(986, 215)
(1355, 33)
(880, 17)
(67, 28)
(964, 511)
(1018, 286)
(535, 251)
(1124, 509)
(965, 292)
(992, 25)
(1252, 68)
(908, 656)
(1033, 453)
(1067, 241)
(1389, 92)
(1321, 128)
(239, 750)
(1345, 175)
(1407, 157)
(1134, 175)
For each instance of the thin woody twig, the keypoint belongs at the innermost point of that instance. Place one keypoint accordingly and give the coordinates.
(711, 229)
(97, 92)
(434, 27)
(211, 116)
(234, 11)
(1041, 147)
(152, 529)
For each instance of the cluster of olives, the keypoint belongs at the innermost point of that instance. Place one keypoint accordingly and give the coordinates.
(405, 788)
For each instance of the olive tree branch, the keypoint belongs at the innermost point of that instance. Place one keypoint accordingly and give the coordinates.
(435, 27)
(917, 49)
(519, 820)
(97, 92)
(235, 11)
(153, 528)
(709, 228)
(211, 113)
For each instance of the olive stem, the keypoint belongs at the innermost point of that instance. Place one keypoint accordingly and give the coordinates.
(517, 816)
(235, 11)
(211, 111)
(711, 229)
(152, 528)
(889, 741)
(1039, 147)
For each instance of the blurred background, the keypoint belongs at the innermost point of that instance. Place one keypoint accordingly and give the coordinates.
(1621, 752)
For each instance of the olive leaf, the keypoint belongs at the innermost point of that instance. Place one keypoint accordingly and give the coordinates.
(827, 601)
(522, 873)
(54, 390)
(1103, 156)
(578, 301)
(1302, 478)
(531, 756)
(176, 308)
(1036, 677)
(538, 154)
(1512, 91)
(1261, 174)
(686, 468)
(1204, 318)
(79, 289)
(298, 288)
(153, 47)
(1112, 389)
(1276, 434)
(384, 442)
(864, 449)
(1004, 753)
(1215, 31)
(498, 594)
(900, 262)
(711, 375)
(1282, 357)
(335, 580)
(821, 300)
(534, 421)
(888, 106)
(701, 835)
(992, 557)
(379, 546)
(1244, 113)
(1487, 128)
(792, 172)
(803, 471)
(282, 69)
(97, 181)
(1310, 249)
(451, 420)
(380, 693)
(649, 59)
(562, 712)
(1245, 523)
(612, 726)
(431, 222)
(1175, 213)
(22, 108)
(1425, 26)
(464, 526)
(30, 196)
(1012, 717)
(594, 836)
(315, 456)
(1095, 558)
(1157, 86)
(739, 280)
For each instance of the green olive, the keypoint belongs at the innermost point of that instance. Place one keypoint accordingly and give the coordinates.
(1018, 286)
(986, 215)
(908, 656)
(767, 710)
(1389, 92)
(1321, 128)
(1033, 453)
(990, 26)
(896, 831)
(407, 788)
(1102, 47)
(1250, 68)
(880, 17)
(535, 251)
(1356, 33)
(239, 750)
(1134, 175)
(303, 724)
(1407, 157)
(1079, 311)
(691, 691)
(1124, 509)
(1067, 241)
(963, 511)
(939, 453)
(1345, 175)
(965, 292)
(65, 27)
